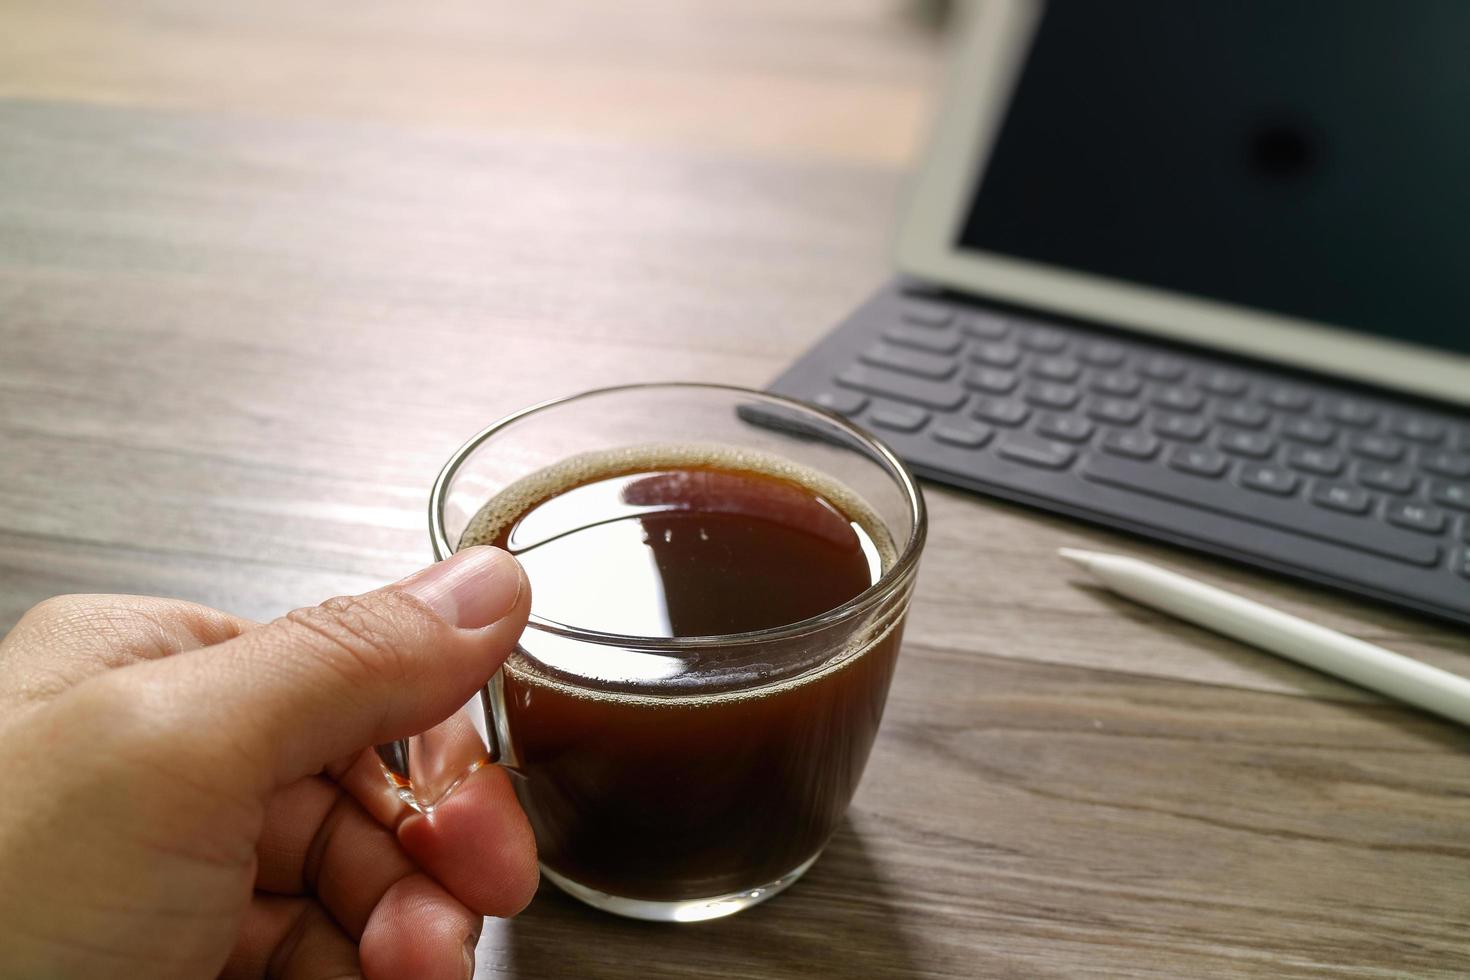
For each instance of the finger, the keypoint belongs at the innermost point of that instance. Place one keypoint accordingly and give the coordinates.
(419, 930)
(282, 700)
(62, 641)
(290, 939)
(478, 845)
(317, 840)
(361, 776)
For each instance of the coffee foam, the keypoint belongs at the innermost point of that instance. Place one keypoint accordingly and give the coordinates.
(506, 507)
(519, 497)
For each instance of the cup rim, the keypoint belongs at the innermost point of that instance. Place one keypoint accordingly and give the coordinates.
(887, 583)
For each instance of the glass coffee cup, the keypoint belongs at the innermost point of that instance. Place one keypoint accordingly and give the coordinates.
(672, 770)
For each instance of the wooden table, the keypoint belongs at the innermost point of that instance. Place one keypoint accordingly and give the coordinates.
(263, 266)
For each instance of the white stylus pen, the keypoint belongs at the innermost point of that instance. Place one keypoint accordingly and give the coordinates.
(1296, 639)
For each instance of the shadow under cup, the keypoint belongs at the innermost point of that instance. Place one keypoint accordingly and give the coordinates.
(678, 778)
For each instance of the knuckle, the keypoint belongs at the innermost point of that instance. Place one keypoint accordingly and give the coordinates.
(363, 636)
(77, 623)
(65, 616)
(48, 613)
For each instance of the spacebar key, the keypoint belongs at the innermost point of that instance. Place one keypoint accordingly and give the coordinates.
(1362, 534)
(901, 387)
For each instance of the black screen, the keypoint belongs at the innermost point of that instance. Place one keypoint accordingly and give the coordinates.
(1308, 158)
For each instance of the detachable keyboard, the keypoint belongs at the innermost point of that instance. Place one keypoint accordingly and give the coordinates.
(1340, 485)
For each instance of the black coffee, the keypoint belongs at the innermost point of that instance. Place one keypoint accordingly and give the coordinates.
(659, 777)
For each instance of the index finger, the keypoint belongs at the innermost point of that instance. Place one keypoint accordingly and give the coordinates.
(64, 640)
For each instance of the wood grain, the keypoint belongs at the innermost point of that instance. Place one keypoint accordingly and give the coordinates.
(262, 267)
(846, 79)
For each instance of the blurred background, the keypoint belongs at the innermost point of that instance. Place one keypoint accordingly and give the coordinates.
(263, 266)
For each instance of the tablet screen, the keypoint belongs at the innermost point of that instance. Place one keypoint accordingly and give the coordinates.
(1306, 158)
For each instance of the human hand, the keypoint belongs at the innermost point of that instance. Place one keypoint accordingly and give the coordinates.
(188, 794)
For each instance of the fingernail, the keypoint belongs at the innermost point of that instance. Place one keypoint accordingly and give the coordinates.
(469, 951)
(471, 588)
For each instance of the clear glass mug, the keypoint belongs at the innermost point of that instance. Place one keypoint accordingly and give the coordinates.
(657, 800)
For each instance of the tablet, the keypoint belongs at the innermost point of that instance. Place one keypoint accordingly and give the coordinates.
(1283, 179)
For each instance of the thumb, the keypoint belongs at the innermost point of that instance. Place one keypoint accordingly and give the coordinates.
(329, 680)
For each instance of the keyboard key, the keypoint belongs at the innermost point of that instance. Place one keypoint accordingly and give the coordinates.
(1341, 496)
(1350, 411)
(1001, 411)
(1057, 368)
(964, 435)
(997, 381)
(1375, 446)
(913, 362)
(1072, 428)
(1246, 415)
(1456, 495)
(1162, 368)
(1044, 340)
(1419, 429)
(1134, 444)
(1243, 442)
(1021, 448)
(997, 355)
(1288, 398)
(1188, 428)
(899, 418)
(1158, 483)
(986, 326)
(1218, 382)
(1048, 394)
(1269, 478)
(1415, 516)
(927, 314)
(1100, 353)
(1461, 561)
(1179, 399)
(1324, 462)
(1118, 383)
(902, 387)
(1198, 460)
(1305, 429)
(842, 402)
(1115, 411)
(1446, 463)
(936, 340)
(1390, 478)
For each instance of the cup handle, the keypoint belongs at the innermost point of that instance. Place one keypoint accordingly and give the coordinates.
(424, 769)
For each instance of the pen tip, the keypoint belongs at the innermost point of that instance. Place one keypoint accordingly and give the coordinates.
(1077, 557)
